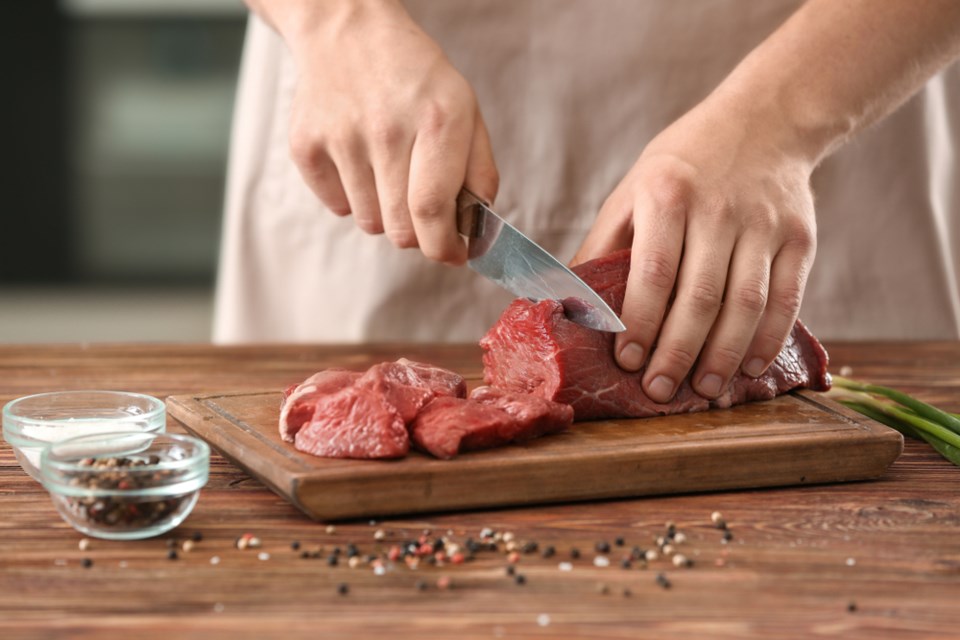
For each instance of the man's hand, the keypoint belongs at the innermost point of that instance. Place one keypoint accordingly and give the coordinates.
(383, 127)
(722, 230)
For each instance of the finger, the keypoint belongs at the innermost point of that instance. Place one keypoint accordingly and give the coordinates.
(611, 231)
(744, 301)
(655, 257)
(391, 166)
(361, 189)
(788, 279)
(482, 177)
(321, 175)
(700, 287)
(437, 172)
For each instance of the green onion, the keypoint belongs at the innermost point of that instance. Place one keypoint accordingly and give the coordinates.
(906, 414)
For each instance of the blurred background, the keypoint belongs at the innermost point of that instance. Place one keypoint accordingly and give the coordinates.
(116, 117)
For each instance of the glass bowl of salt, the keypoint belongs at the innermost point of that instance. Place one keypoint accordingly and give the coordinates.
(32, 422)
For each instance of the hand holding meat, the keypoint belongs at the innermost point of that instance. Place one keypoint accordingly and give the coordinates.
(719, 215)
(382, 126)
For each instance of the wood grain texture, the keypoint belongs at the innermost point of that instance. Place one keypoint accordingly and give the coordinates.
(794, 439)
(798, 558)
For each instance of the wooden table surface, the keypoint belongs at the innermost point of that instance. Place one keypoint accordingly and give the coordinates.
(866, 560)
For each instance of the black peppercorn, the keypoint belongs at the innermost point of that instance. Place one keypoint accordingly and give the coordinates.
(343, 588)
(172, 554)
(295, 545)
(520, 579)
(86, 563)
(603, 547)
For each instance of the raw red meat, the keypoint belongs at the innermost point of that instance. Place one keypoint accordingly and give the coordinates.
(410, 385)
(347, 414)
(534, 349)
(299, 402)
(354, 422)
(489, 418)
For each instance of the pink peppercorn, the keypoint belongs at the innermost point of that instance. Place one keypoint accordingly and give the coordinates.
(514, 557)
(457, 558)
(394, 553)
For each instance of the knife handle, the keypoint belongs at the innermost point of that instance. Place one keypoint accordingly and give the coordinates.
(470, 216)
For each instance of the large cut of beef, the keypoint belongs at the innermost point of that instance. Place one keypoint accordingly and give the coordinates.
(489, 418)
(343, 414)
(533, 348)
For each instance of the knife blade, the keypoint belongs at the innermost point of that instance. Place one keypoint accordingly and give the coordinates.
(501, 253)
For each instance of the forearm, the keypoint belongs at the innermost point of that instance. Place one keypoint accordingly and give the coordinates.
(301, 21)
(836, 66)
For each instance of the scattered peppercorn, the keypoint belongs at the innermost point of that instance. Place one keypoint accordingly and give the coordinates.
(86, 563)
(636, 553)
(332, 560)
(172, 554)
(574, 553)
(352, 550)
(304, 554)
(421, 585)
(84, 544)
(295, 545)
(603, 547)
(851, 606)
(197, 536)
(520, 579)
(548, 552)
(625, 563)
(626, 592)
(727, 536)
(443, 583)
(511, 570)
(343, 588)
(618, 541)
(663, 581)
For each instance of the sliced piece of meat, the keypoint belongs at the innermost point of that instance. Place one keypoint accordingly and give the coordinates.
(533, 348)
(355, 422)
(490, 418)
(410, 385)
(299, 402)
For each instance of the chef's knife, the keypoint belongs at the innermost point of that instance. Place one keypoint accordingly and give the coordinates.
(497, 251)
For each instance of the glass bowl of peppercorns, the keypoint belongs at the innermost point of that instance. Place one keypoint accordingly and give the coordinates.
(125, 485)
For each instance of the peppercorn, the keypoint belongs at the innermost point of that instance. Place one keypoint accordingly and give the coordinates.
(548, 552)
(197, 536)
(332, 560)
(727, 536)
(352, 550)
(172, 554)
(304, 554)
(636, 553)
(86, 563)
(343, 588)
(663, 581)
(574, 553)
(625, 563)
(471, 545)
(851, 606)
(603, 547)
(421, 585)
(618, 541)
(529, 547)
(295, 545)
(511, 570)
(520, 579)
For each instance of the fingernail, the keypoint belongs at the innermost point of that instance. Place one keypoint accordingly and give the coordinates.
(710, 384)
(753, 368)
(661, 389)
(631, 356)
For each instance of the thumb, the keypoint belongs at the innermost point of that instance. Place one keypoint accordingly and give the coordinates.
(482, 177)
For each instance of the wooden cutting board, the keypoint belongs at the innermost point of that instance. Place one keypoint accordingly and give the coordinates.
(799, 438)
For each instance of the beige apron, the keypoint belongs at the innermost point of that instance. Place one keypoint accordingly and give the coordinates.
(571, 92)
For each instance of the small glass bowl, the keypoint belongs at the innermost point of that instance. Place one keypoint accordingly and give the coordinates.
(126, 485)
(32, 422)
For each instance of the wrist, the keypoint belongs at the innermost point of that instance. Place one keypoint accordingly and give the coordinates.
(796, 125)
(303, 24)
